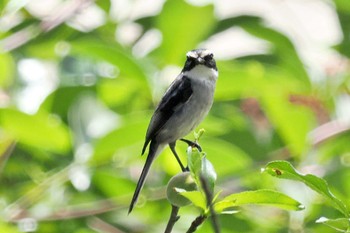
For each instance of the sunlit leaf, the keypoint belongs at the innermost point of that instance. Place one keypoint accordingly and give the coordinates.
(258, 197)
(284, 170)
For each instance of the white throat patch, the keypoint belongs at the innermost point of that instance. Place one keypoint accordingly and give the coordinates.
(202, 72)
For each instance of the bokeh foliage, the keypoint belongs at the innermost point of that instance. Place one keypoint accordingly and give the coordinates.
(72, 164)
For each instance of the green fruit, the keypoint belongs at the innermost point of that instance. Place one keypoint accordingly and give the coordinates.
(183, 181)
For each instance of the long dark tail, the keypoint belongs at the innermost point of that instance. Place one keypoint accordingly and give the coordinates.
(154, 150)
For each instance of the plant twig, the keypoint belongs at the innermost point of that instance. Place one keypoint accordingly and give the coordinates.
(173, 219)
(102, 226)
(209, 196)
(70, 212)
(327, 131)
(196, 223)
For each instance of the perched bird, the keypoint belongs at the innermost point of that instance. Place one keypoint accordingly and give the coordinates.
(183, 106)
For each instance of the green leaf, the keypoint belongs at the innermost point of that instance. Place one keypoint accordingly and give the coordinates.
(196, 197)
(42, 130)
(339, 224)
(259, 197)
(179, 37)
(284, 170)
(194, 162)
(208, 173)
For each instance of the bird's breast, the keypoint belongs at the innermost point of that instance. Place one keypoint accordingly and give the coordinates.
(188, 116)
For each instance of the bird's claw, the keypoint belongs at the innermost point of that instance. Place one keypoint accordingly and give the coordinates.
(192, 144)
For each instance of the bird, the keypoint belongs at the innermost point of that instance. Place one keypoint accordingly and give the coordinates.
(183, 106)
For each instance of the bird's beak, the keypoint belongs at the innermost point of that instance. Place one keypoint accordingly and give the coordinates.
(200, 60)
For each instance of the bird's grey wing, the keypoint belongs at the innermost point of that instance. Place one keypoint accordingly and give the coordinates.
(177, 94)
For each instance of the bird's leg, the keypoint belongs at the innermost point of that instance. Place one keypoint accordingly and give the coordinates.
(192, 144)
(172, 148)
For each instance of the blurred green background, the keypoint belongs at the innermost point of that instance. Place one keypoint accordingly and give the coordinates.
(79, 80)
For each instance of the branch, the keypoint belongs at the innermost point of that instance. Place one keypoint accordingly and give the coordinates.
(196, 223)
(173, 219)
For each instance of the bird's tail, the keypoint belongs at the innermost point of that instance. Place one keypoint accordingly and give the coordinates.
(154, 150)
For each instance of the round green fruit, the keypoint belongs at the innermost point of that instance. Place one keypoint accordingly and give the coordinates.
(182, 181)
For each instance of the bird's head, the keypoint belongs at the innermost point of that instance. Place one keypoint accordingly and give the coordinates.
(200, 63)
(199, 57)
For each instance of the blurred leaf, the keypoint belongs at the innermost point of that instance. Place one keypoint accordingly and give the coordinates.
(113, 93)
(7, 144)
(114, 54)
(284, 170)
(280, 111)
(342, 5)
(111, 184)
(8, 228)
(146, 22)
(7, 69)
(258, 197)
(225, 24)
(42, 130)
(282, 47)
(339, 224)
(105, 5)
(60, 101)
(344, 18)
(43, 50)
(238, 80)
(131, 132)
(225, 156)
(335, 146)
(178, 38)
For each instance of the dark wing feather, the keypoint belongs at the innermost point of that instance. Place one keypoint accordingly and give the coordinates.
(177, 94)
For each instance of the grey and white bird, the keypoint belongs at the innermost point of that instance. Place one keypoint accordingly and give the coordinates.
(183, 106)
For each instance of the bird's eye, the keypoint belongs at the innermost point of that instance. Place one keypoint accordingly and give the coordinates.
(208, 57)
